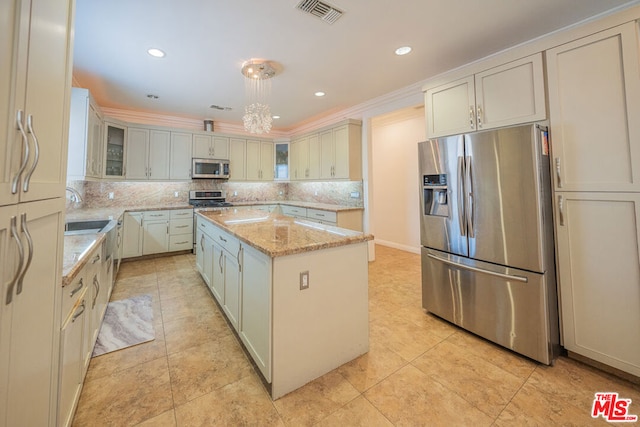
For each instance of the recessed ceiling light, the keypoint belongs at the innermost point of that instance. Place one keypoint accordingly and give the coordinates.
(403, 50)
(156, 52)
(275, 117)
(319, 93)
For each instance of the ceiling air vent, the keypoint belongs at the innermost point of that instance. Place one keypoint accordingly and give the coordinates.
(322, 10)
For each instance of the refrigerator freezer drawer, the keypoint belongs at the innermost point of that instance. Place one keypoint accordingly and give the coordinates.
(514, 308)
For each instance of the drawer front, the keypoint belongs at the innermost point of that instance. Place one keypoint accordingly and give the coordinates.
(71, 294)
(181, 214)
(182, 242)
(227, 241)
(156, 215)
(294, 211)
(324, 216)
(181, 226)
(206, 227)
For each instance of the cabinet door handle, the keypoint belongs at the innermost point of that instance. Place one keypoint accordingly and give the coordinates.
(558, 175)
(25, 153)
(220, 262)
(202, 242)
(238, 259)
(479, 116)
(96, 283)
(16, 237)
(471, 124)
(561, 209)
(36, 157)
(95, 259)
(78, 313)
(77, 289)
(25, 230)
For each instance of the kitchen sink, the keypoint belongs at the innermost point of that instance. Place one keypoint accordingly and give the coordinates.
(86, 227)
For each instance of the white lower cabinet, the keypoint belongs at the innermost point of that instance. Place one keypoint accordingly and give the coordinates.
(84, 302)
(153, 232)
(599, 276)
(71, 361)
(217, 269)
(232, 279)
(255, 321)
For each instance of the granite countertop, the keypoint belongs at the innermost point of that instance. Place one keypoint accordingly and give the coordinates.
(80, 214)
(312, 205)
(279, 235)
(77, 251)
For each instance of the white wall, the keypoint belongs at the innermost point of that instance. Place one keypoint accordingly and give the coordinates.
(395, 208)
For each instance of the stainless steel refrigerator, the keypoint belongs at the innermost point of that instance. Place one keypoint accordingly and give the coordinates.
(487, 237)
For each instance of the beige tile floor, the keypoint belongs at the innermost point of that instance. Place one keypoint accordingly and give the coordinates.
(419, 370)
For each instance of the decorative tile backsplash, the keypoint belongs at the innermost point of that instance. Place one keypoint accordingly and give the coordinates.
(128, 193)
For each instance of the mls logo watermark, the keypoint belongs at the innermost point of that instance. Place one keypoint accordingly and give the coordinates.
(612, 408)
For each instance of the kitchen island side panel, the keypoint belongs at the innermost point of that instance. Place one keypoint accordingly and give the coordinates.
(315, 330)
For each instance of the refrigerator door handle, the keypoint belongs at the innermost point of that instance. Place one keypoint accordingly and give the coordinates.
(461, 224)
(469, 206)
(479, 270)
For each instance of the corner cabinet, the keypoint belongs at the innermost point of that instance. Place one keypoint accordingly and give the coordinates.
(115, 142)
(594, 103)
(509, 94)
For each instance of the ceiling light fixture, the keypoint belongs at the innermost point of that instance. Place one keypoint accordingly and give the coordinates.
(403, 50)
(275, 117)
(257, 83)
(319, 93)
(157, 53)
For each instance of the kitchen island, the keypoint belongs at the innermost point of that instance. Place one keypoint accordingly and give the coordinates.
(295, 291)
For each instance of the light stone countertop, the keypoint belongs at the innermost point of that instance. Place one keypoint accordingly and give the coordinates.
(311, 205)
(77, 251)
(278, 235)
(301, 236)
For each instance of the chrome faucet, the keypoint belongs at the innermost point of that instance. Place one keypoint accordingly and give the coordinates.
(75, 196)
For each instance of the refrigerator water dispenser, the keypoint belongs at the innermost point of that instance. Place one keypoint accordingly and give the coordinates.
(435, 192)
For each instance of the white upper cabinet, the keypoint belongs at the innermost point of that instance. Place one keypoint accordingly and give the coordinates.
(34, 90)
(210, 147)
(594, 109)
(180, 167)
(237, 159)
(85, 137)
(148, 154)
(259, 160)
(505, 95)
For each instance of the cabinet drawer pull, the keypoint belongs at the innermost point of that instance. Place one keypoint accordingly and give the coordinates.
(95, 259)
(471, 124)
(79, 313)
(36, 157)
(223, 239)
(182, 243)
(77, 289)
(16, 237)
(181, 226)
(25, 230)
(25, 153)
(561, 209)
(319, 214)
(96, 283)
(155, 214)
(558, 179)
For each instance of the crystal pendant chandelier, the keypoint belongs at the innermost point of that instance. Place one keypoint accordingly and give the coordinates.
(257, 114)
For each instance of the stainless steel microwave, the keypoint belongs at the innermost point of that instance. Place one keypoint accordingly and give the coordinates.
(210, 169)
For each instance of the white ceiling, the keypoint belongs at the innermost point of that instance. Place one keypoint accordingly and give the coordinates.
(352, 60)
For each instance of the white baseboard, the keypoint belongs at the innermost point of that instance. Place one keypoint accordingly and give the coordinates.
(407, 248)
